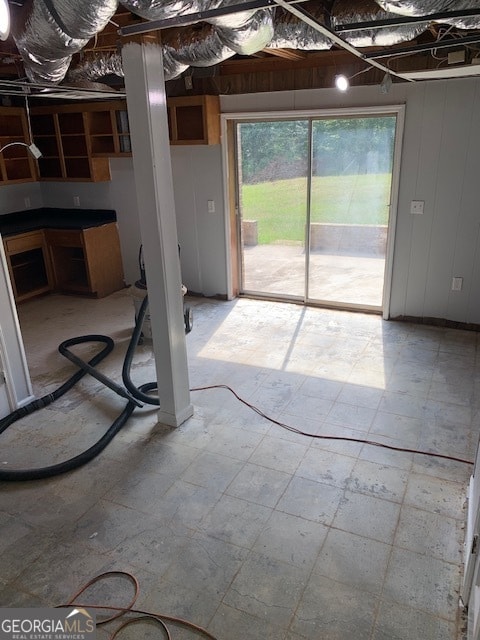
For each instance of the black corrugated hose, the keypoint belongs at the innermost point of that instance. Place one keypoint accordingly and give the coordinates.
(133, 395)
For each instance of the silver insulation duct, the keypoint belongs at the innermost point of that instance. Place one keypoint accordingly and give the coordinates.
(201, 48)
(99, 66)
(164, 9)
(244, 32)
(56, 29)
(290, 32)
(251, 36)
(47, 47)
(369, 11)
(426, 7)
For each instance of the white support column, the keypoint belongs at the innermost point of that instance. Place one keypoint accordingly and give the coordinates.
(147, 111)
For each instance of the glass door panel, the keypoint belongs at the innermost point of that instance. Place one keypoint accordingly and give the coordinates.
(349, 209)
(273, 169)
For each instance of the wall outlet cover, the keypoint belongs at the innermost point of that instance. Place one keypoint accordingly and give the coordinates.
(417, 206)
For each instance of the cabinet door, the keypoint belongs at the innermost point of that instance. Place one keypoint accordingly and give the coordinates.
(87, 261)
(28, 264)
(103, 258)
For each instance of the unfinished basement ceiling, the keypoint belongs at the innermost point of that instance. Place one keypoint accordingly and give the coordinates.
(56, 44)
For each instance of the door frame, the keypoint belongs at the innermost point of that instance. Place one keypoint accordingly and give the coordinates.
(228, 121)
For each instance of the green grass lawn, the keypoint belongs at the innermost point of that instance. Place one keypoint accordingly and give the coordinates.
(280, 206)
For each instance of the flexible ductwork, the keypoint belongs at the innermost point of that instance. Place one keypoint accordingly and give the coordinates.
(52, 33)
(426, 7)
(369, 11)
(292, 33)
(208, 44)
(56, 29)
(199, 46)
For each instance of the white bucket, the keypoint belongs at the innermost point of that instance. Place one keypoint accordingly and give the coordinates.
(138, 294)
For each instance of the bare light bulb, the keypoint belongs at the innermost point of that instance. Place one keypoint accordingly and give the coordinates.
(341, 82)
(4, 20)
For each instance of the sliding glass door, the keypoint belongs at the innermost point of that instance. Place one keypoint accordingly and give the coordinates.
(313, 200)
(273, 179)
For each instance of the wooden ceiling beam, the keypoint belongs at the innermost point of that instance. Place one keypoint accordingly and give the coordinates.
(271, 63)
(288, 54)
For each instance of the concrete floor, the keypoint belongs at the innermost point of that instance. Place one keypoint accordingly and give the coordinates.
(279, 269)
(230, 521)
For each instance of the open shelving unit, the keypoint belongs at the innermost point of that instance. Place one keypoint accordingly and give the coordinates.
(29, 265)
(194, 120)
(108, 129)
(16, 163)
(62, 137)
(86, 261)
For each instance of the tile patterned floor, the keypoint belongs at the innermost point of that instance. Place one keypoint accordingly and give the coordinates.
(251, 530)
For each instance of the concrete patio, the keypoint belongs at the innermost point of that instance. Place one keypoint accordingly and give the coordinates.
(279, 269)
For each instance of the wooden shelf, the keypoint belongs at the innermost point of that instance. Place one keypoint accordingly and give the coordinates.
(86, 261)
(29, 264)
(108, 129)
(194, 120)
(16, 163)
(61, 133)
(76, 140)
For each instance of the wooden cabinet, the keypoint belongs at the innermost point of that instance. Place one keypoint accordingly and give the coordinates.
(86, 261)
(76, 140)
(61, 134)
(108, 129)
(29, 264)
(194, 120)
(16, 162)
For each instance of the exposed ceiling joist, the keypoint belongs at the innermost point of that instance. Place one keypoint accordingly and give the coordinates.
(306, 17)
(419, 48)
(287, 54)
(406, 20)
(199, 16)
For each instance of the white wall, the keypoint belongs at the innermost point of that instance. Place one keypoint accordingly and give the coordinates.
(441, 138)
(12, 197)
(197, 178)
(118, 194)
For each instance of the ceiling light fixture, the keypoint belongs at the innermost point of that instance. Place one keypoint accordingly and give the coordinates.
(342, 82)
(4, 20)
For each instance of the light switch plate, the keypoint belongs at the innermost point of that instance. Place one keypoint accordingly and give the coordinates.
(457, 284)
(416, 207)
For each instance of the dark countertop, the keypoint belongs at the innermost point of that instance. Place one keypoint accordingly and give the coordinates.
(54, 218)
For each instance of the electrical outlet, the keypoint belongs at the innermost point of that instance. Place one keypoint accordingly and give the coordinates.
(27, 202)
(76, 201)
(416, 207)
(457, 284)
(211, 206)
